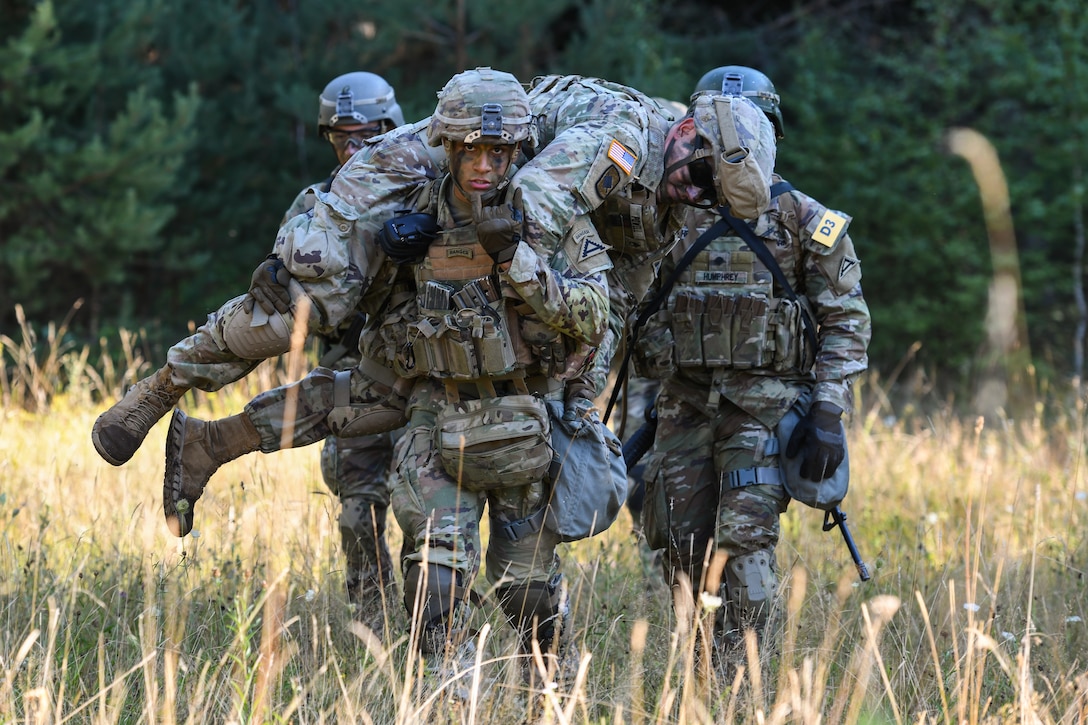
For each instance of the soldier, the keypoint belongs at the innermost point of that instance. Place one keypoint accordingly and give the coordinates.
(482, 341)
(611, 159)
(734, 353)
(352, 108)
(602, 141)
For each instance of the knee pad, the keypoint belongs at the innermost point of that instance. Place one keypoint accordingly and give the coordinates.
(532, 607)
(431, 593)
(383, 412)
(257, 335)
(752, 583)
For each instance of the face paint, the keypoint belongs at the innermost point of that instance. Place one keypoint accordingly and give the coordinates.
(478, 168)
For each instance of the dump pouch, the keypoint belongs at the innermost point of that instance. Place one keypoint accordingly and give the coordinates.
(494, 442)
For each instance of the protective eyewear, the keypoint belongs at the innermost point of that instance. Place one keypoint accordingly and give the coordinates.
(341, 139)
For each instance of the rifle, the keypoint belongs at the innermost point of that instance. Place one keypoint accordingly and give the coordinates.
(837, 517)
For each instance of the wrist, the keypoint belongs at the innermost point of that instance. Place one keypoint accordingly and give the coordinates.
(825, 411)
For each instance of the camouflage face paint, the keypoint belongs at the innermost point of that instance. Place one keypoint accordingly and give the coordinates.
(478, 168)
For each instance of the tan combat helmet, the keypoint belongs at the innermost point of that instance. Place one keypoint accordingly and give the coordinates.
(358, 97)
(738, 141)
(480, 106)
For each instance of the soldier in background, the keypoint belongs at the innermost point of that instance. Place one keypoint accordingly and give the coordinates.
(734, 353)
(352, 108)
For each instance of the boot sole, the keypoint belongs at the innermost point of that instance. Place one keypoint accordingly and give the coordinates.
(98, 446)
(180, 524)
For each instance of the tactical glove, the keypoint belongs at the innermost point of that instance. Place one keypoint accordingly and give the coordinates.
(578, 397)
(269, 287)
(819, 439)
(499, 227)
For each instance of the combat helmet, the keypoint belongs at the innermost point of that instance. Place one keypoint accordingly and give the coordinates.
(740, 80)
(482, 105)
(358, 97)
(734, 153)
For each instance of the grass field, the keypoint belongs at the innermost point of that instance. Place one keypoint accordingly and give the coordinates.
(976, 611)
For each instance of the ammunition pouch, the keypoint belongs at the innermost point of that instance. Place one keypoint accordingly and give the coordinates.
(464, 334)
(716, 330)
(494, 442)
(654, 354)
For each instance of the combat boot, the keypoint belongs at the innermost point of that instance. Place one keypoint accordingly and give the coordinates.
(195, 449)
(118, 433)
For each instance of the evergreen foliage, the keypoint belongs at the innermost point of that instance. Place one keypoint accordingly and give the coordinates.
(149, 148)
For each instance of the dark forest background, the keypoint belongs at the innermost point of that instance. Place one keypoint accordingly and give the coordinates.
(148, 148)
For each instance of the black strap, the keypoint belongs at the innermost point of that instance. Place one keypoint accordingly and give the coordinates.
(704, 239)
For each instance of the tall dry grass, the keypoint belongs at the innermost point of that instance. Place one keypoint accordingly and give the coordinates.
(976, 611)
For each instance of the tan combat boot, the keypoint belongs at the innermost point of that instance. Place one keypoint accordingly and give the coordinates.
(195, 449)
(118, 433)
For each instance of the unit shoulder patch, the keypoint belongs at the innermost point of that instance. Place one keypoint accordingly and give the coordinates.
(607, 181)
(830, 228)
(847, 265)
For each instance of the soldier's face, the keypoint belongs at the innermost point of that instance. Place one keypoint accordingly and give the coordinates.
(478, 168)
(347, 139)
(680, 186)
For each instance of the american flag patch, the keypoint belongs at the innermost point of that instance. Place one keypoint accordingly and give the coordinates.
(623, 158)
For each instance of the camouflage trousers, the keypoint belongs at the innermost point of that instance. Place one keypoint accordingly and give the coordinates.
(441, 519)
(202, 360)
(696, 516)
(356, 470)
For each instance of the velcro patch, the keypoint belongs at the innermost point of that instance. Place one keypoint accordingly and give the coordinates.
(588, 243)
(847, 264)
(711, 277)
(607, 181)
(623, 156)
(829, 229)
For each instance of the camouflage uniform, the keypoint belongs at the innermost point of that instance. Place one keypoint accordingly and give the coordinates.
(355, 469)
(707, 484)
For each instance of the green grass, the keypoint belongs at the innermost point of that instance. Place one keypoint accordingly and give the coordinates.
(976, 611)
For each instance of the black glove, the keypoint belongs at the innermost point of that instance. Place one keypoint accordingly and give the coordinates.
(269, 287)
(820, 440)
(579, 397)
(499, 227)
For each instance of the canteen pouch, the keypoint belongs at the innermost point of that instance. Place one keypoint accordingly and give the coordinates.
(494, 442)
(588, 476)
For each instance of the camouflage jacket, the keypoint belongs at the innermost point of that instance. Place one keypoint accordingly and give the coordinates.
(333, 249)
(306, 198)
(822, 268)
